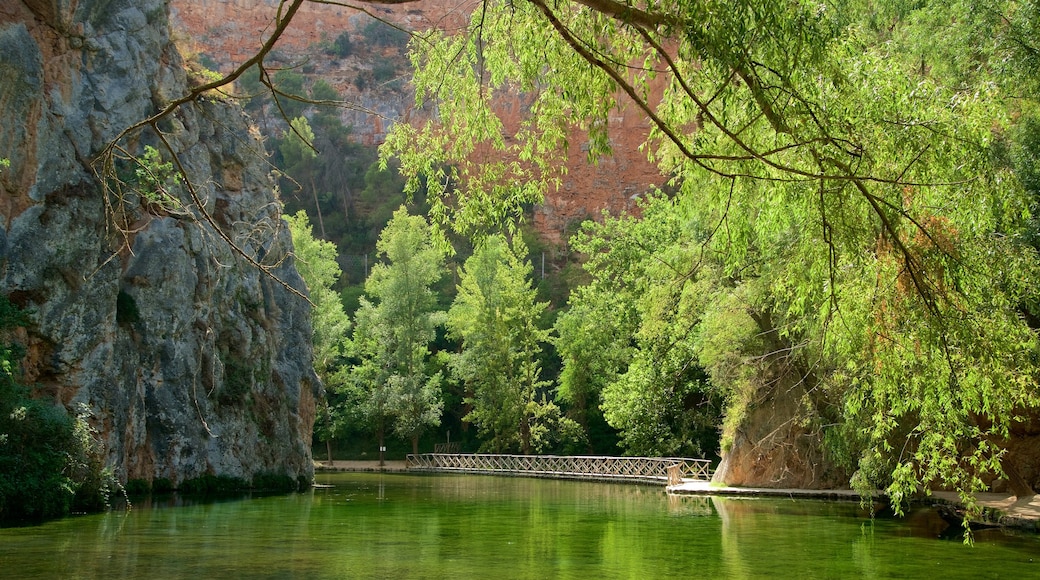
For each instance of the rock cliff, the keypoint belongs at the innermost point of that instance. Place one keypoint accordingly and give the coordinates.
(189, 360)
(225, 31)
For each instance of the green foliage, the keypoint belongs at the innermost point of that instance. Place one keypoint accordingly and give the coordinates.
(321, 90)
(495, 316)
(327, 175)
(395, 379)
(384, 71)
(316, 262)
(50, 463)
(154, 179)
(250, 89)
(553, 433)
(298, 144)
(629, 340)
(384, 35)
(846, 218)
(343, 46)
(289, 90)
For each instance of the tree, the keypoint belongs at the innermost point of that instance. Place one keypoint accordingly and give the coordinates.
(316, 263)
(288, 92)
(392, 335)
(849, 197)
(495, 316)
(629, 340)
(297, 146)
(297, 149)
(343, 46)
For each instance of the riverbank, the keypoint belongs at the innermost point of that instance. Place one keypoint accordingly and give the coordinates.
(1002, 509)
(998, 509)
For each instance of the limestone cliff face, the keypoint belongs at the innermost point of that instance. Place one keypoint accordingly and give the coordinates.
(226, 31)
(189, 360)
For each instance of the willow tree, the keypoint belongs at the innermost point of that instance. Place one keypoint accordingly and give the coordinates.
(851, 192)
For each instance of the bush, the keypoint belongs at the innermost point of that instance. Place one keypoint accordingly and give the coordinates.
(33, 485)
(384, 71)
(343, 46)
(50, 462)
(379, 33)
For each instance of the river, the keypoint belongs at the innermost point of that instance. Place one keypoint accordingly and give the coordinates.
(460, 527)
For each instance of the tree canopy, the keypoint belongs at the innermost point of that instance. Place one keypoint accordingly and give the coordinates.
(496, 318)
(850, 203)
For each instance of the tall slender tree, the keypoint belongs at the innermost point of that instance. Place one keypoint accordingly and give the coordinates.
(394, 329)
(316, 262)
(495, 315)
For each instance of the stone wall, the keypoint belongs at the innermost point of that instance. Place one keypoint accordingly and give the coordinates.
(189, 360)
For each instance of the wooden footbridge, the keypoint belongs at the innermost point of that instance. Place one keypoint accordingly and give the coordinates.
(667, 470)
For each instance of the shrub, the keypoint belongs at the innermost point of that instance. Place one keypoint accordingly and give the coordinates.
(343, 46)
(50, 462)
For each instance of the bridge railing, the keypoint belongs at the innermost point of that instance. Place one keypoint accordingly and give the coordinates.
(648, 469)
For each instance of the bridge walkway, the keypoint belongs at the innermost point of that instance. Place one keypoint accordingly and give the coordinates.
(666, 470)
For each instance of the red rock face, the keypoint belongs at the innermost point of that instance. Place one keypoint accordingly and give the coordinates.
(230, 31)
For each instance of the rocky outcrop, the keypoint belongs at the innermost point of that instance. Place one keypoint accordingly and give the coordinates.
(189, 360)
(772, 446)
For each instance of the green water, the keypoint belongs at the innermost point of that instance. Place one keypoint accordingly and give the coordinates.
(401, 526)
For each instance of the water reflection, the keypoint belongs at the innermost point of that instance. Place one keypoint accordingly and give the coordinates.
(399, 526)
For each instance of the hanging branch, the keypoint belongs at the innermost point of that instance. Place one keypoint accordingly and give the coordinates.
(104, 164)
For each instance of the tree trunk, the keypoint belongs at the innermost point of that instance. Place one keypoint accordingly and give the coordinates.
(1016, 483)
(525, 434)
(415, 444)
(317, 207)
(382, 447)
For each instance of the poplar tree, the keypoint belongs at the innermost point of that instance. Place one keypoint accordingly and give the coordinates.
(315, 260)
(394, 327)
(495, 316)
